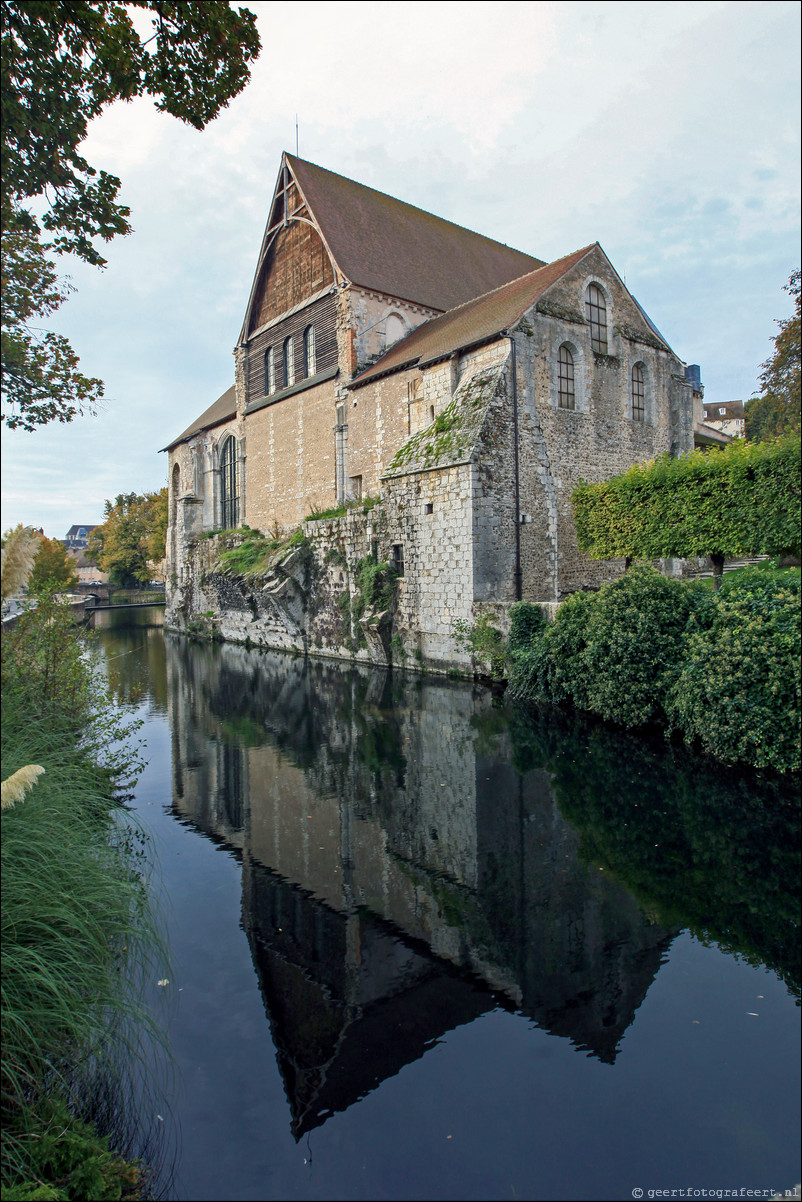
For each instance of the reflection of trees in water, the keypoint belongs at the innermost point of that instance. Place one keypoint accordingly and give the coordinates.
(135, 658)
(698, 845)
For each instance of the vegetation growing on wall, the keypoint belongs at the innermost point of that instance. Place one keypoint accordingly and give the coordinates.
(720, 669)
(483, 642)
(256, 554)
(363, 505)
(742, 500)
(375, 586)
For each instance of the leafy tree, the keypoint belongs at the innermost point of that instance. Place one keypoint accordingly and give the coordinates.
(63, 63)
(123, 544)
(776, 411)
(157, 543)
(53, 566)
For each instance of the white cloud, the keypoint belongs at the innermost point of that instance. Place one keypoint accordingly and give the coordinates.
(666, 131)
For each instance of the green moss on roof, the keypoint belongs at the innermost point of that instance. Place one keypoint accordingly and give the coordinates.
(452, 436)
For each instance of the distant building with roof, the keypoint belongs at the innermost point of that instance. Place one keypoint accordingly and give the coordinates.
(388, 353)
(75, 543)
(77, 537)
(727, 416)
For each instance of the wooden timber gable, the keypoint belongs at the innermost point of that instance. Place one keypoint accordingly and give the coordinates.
(321, 314)
(294, 263)
(296, 267)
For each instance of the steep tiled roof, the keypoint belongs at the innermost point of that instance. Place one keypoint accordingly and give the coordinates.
(473, 322)
(384, 244)
(224, 408)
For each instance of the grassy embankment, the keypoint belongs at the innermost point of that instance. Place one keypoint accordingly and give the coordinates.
(78, 939)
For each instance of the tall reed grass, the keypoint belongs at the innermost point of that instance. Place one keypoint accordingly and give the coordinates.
(80, 946)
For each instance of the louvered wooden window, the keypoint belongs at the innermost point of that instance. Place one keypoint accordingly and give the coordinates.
(289, 362)
(638, 394)
(566, 391)
(309, 351)
(596, 313)
(270, 371)
(229, 485)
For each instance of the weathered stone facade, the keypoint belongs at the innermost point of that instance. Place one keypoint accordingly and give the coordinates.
(470, 425)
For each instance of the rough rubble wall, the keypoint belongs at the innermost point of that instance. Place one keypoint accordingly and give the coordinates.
(599, 438)
(310, 600)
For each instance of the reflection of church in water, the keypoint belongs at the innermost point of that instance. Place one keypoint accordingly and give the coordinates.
(400, 878)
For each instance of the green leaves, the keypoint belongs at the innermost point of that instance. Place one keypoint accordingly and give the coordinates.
(130, 543)
(63, 63)
(742, 500)
(777, 410)
(720, 668)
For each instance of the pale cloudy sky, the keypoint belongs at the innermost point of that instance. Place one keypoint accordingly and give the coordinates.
(669, 132)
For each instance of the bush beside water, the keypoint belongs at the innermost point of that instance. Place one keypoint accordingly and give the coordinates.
(78, 940)
(720, 669)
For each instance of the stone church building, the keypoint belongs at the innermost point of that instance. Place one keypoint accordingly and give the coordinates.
(390, 356)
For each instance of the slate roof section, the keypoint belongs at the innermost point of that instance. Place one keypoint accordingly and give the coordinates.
(477, 321)
(224, 408)
(393, 247)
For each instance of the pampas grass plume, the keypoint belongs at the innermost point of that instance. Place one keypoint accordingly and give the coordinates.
(20, 548)
(16, 786)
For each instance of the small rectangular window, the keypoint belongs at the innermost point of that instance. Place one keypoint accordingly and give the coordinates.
(429, 507)
(398, 559)
(355, 488)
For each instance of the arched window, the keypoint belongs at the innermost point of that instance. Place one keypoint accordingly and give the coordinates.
(289, 362)
(394, 329)
(229, 484)
(310, 366)
(596, 313)
(174, 497)
(270, 371)
(566, 389)
(638, 394)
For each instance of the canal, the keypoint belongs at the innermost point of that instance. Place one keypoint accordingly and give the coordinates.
(424, 946)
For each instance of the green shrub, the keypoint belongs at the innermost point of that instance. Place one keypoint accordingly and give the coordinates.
(483, 642)
(633, 646)
(527, 622)
(738, 691)
(614, 652)
(550, 670)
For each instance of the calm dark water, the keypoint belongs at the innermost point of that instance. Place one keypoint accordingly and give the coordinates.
(426, 946)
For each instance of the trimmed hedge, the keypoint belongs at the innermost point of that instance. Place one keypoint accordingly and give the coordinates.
(721, 668)
(742, 500)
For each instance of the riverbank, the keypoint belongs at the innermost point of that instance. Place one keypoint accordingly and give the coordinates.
(718, 669)
(78, 938)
